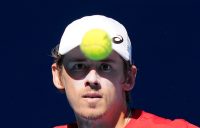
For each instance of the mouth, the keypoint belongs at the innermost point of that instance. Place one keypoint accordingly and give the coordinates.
(92, 99)
(92, 95)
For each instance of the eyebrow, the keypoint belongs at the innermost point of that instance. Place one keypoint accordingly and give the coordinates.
(108, 60)
(78, 59)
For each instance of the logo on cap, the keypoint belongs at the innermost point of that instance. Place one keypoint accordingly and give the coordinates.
(118, 39)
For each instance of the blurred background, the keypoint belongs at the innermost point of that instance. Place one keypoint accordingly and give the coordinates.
(166, 49)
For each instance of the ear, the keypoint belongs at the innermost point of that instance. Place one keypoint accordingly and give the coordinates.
(130, 80)
(56, 76)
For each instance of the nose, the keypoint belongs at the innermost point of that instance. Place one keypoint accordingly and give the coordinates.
(92, 80)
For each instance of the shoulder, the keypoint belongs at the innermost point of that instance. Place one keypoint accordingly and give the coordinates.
(142, 119)
(74, 125)
(61, 126)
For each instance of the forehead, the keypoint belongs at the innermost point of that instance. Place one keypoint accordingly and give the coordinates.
(77, 55)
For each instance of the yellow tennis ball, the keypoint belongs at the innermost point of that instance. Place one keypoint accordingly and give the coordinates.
(96, 45)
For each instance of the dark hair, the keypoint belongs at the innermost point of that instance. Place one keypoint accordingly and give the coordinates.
(58, 59)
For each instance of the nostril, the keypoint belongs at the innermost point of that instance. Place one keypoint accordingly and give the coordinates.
(91, 84)
(96, 84)
(87, 83)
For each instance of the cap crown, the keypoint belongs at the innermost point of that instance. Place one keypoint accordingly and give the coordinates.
(74, 32)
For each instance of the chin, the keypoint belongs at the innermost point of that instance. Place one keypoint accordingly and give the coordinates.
(92, 117)
(92, 114)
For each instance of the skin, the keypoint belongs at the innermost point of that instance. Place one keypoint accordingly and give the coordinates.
(95, 89)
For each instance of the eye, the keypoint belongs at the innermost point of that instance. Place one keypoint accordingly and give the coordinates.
(79, 67)
(105, 67)
(77, 70)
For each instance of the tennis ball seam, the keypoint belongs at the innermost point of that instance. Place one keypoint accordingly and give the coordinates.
(104, 47)
(96, 44)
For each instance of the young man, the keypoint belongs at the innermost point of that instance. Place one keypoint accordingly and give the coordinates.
(98, 91)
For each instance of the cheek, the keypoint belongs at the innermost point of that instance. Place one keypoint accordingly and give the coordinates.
(113, 90)
(117, 76)
(69, 83)
(73, 93)
(72, 88)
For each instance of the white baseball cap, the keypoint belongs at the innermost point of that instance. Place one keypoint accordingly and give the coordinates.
(74, 32)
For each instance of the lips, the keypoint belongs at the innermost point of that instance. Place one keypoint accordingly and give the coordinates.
(92, 98)
(92, 95)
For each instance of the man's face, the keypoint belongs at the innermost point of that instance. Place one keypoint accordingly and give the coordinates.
(93, 88)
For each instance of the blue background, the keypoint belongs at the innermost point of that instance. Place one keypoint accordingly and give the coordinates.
(166, 43)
